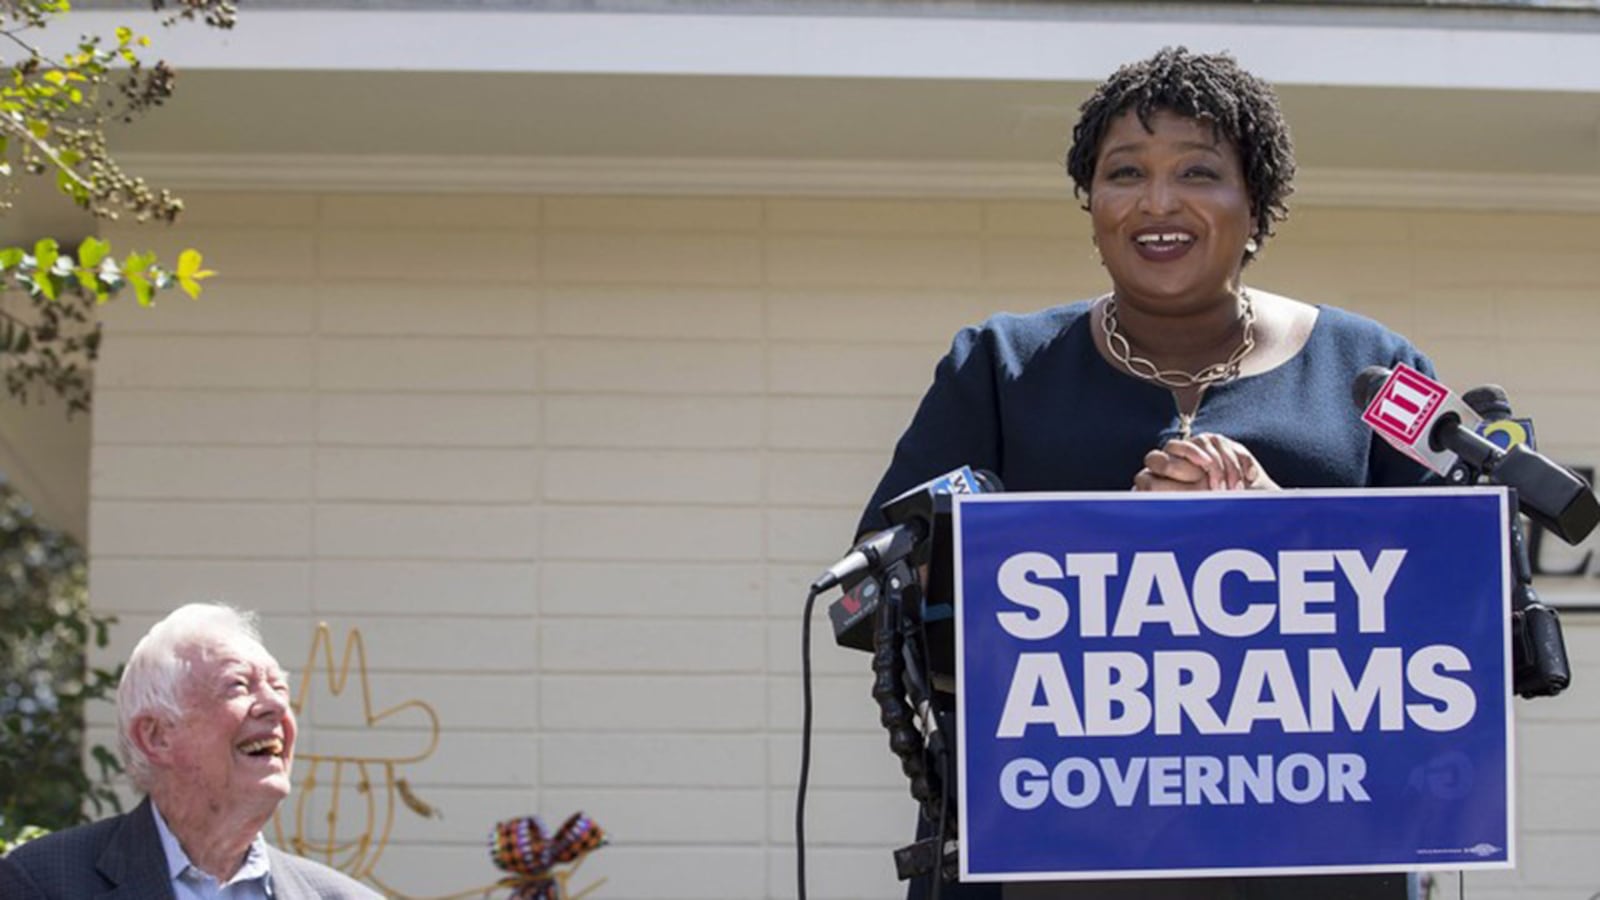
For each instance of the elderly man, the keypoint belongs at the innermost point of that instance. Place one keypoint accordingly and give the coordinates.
(205, 730)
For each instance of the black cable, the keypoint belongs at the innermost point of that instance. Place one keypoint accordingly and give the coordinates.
(899, 654)
(805, 745)
(940, 759)
(938, 870)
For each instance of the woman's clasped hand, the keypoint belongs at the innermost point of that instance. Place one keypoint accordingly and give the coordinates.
(1203, 462)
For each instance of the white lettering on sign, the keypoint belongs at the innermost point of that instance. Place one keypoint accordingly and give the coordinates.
(1077, 782)
(1157, 594)
(1176, 691)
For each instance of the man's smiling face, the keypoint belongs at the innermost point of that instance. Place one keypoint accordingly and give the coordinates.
(234, 746)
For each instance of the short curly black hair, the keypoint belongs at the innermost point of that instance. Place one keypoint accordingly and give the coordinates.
(1240, 107)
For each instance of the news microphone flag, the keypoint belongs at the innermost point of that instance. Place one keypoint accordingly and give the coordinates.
(1508, 433)
(1405, 410)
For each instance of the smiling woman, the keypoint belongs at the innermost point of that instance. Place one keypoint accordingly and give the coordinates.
(1184, 185)
(1180, 377)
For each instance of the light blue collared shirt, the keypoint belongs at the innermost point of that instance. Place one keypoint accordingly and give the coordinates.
(253, 881)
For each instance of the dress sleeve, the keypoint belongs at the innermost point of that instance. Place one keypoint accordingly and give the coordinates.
(957, 424)
(1386, 466)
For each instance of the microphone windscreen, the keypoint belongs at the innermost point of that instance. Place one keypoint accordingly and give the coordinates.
(1489, 401)
(1366, 385)
(988, 481)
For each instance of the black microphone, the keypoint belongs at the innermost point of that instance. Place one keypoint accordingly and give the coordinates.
(874, 552)
(1423, 420)
(1489, 401)
(1539, 666)
(921, 513)
(911, 515)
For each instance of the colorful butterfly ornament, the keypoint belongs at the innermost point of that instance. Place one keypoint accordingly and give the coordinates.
(526, 850)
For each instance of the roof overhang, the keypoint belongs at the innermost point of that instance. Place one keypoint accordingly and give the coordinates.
(1410, 106)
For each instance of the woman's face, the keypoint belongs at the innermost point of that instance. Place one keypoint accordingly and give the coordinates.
(1171, 212)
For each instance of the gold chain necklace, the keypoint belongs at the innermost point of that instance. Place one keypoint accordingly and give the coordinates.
(1176, 379)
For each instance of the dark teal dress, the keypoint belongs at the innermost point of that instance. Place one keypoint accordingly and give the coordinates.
(1031, 399)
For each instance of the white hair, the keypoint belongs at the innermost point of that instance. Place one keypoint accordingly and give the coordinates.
(152, 681)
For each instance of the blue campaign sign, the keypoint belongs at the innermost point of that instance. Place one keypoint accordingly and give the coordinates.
(1273, 683)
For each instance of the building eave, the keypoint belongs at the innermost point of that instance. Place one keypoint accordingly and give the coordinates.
(780, 177)
(1311, 46)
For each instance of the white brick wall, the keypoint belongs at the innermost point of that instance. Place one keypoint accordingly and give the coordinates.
(569, 463)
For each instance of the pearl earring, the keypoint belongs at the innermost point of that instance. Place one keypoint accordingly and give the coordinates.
(1250, 247)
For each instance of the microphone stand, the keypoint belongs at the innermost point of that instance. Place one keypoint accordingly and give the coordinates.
(1566, 506)
(1538, 651)
(905, 704)
(1539, 665)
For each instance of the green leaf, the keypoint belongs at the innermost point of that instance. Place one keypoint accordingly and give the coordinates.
(11, 258)
(68, 185)
(138, 262)
(107, 760)
(45, 253)
(93, 251)
(141, 287)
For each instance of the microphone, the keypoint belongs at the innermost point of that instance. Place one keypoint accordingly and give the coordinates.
(1539, 666)
(923, 510)
(912, 516)
(887, 546)
(1499, 425)
(1421, 418)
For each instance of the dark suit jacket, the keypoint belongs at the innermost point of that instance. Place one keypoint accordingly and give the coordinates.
(15, 883)
(120, 858)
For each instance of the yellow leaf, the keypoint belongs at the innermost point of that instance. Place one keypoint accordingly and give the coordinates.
(190, 274)
(189, 263)
(190, 284)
